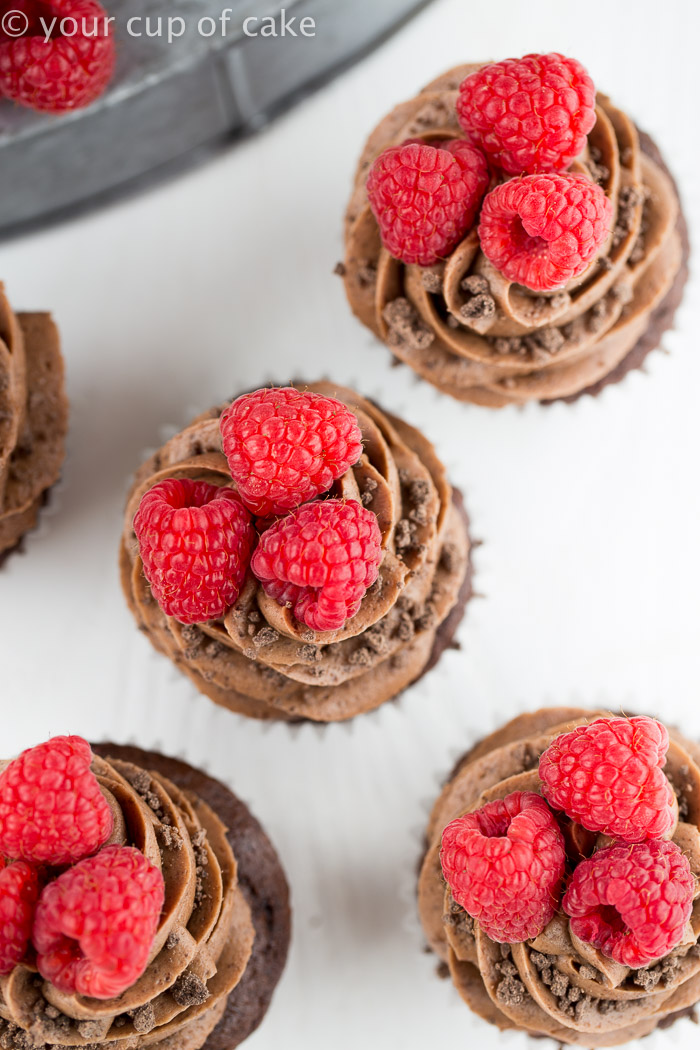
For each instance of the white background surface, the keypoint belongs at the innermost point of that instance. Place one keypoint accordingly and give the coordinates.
(590, 515)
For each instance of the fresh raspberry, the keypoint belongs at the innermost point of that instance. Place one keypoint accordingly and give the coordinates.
(425, 197)
(285, 446)
(320, 561)
(504, 864)
(544, 230)
(529, 114)
(70, 69)
(19, 890)
(51, 808)
(632, 902)
(95, 924)
(195, 541)
(608, 776)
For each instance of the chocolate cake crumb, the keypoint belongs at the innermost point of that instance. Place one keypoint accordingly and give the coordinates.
(596, 317)
(588, 973)
(254, 616)
(172, 941)
(599, 172)
(479, 307)
(508, 345)
(201, 859)
(368, 491)
(339, 269)
(361, 657)
(432, 278)
(310, 653)
(214, 649)
(366, 274)
(650, 976)
(192, 636)
(442, 970)
(629, 200)
(189, 990)
(265, 636)
(426, 619)
(449, 558)
(376, 637)
(475, 284)
(511, 991)
(406, 326)
(402, 534)
(452, 322)
(170, 837)
(144, 1019)
(405, 629)
(91, 1030)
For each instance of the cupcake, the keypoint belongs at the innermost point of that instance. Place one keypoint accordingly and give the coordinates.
(144, 906)
(299, 554)
(33, 419)
(512, 236)
(560, 882)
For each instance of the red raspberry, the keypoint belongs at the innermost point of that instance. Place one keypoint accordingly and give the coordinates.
(320, 561)
(51, 808)
(632, 902)
(195, 541)
(19, 890)
(65, 72)
(529, 114)
(544, 230)
(95, 924)
(608, 776)
(425, 198)
(285, 446)
(504, 864)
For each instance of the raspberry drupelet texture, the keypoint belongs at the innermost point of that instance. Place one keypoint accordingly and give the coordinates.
(530, 114)
(195, 542)
(542, 231)
(320, 561)
(19, 890)
(608, 776)
(425, 197)
(95, 924)
(69, 70)
(285, 446)
(51, 808)
(632, 902)
(504, 864)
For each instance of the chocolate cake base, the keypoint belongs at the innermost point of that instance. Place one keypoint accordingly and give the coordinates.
(261, 880)
(662, 317)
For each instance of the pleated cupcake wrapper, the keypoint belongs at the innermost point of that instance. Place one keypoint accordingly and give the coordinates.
(466, 736)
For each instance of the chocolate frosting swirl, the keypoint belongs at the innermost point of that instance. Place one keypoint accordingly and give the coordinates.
(259, 660)
(202, 947)
(462, 326)
(33, 418)
(556, 985)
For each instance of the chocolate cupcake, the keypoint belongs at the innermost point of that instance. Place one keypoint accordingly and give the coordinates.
(598, 943)
(187, 942)
(33, 419)
(349, 566)
(463, 316)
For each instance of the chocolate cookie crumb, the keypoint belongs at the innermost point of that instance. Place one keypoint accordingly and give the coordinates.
(339, 269)
(265, 636)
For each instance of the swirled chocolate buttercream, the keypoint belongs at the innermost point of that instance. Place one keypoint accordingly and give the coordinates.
(33, 418)
(556, 984)
(258, 659)
(479, 337)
